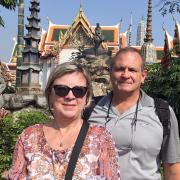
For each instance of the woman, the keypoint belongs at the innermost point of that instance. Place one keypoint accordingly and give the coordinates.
(43, 150)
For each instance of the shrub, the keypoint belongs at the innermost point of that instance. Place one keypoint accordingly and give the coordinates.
(165, 84)
(10, 128)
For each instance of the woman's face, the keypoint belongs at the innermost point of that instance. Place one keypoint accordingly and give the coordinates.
(68, 106)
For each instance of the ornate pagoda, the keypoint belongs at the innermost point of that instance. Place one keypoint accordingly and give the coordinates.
(148, 49)
(30, 67)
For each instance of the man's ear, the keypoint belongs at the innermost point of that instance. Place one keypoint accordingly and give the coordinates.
(144, 75)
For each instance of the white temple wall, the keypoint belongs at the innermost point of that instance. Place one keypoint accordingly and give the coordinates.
(66, 54)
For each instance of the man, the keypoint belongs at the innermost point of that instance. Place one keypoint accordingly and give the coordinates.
(129, 114)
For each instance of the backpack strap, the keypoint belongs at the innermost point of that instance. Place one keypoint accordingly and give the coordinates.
(76, 150)
(163, 112)
(88, 110)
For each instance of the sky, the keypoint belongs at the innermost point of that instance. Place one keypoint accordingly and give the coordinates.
(105, 12)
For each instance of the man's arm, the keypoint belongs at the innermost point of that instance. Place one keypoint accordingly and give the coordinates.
(171, 171)
(171, 155)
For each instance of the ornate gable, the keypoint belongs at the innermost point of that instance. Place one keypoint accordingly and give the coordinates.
(79, 32)
(79, 38)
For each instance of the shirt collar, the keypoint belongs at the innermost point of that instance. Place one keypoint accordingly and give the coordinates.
(145, 101)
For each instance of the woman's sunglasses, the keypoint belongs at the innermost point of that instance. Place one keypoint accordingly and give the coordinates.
(62, 91)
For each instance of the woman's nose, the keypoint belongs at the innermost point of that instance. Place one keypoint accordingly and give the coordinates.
(70, 95)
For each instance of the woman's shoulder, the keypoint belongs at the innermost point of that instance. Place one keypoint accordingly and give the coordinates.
(32, 130)
(35, 127)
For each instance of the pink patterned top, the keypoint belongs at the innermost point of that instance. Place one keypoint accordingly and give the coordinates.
(35, 159)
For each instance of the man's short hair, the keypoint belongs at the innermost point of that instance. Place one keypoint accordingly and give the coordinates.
(125, 50)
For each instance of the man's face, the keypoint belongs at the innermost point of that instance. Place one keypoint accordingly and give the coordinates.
(127, 74)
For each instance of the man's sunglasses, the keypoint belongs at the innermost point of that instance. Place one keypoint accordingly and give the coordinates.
(62, 91)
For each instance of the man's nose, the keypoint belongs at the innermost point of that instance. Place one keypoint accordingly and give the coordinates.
(125, 73)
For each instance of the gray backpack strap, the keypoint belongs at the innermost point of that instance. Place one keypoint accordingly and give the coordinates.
(163, 112)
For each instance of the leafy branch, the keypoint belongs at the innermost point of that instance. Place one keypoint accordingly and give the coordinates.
(169, 6)
(8, 4)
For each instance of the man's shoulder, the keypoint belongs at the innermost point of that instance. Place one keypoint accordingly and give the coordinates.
(103, 100)
(99, 113)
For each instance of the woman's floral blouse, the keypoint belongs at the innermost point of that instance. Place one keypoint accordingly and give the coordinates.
(35, 159)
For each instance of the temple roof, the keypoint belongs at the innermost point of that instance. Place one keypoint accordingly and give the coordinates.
(169, 40)
(62, 34)
(177, 31)
(79, 21)
(13, 57)
(5, 73)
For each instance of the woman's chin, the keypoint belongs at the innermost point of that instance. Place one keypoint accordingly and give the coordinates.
(70, 115)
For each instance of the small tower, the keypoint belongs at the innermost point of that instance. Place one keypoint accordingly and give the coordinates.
(141, 31)
(129, 33)
(20, 40)
(148, 49)
(30, 67)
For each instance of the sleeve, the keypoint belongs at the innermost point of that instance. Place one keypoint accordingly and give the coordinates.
(171, 146)
(18, 168)
(108, 161)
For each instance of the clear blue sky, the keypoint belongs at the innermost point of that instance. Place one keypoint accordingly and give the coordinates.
(106, 12)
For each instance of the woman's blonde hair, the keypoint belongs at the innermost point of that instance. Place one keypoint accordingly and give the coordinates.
(68, 68)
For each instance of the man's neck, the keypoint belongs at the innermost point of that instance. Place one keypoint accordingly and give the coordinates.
(124, 101)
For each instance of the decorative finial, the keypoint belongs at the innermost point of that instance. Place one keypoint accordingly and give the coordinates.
(81, 9)
(80, 4)
(174, 19)
(163, 27)
(119, 24)
(14, 39)
(49, 21)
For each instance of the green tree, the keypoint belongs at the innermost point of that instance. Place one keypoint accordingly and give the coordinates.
(8, 4)
(165, 83)
(11, 127)
(169, 6)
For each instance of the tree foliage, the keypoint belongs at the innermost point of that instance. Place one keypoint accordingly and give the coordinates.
(169, 6)
(10, 128)
(8, 4)
(165, 84)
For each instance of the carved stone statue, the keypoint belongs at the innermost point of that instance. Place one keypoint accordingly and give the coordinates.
(2, 85)
(3, 112)
(98, 38)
